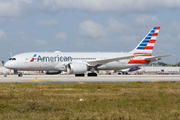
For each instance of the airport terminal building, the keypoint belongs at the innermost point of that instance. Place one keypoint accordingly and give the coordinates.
(159, 69)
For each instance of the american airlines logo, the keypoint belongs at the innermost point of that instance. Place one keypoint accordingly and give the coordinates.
(32, 60)
(51, 59)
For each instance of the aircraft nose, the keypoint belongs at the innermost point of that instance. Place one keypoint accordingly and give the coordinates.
(7, 65)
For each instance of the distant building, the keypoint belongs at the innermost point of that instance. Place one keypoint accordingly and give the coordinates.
(5, 70)
(159, 69)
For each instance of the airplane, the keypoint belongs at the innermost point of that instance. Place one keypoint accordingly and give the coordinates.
(79, 63)
(126, 71)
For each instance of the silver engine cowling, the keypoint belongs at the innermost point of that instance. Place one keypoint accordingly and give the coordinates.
(76, 68)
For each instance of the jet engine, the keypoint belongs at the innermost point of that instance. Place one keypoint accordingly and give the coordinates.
(52, 72)
(76, 68)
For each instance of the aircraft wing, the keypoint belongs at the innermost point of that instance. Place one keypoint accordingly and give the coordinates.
(104, 61)
(158, 57)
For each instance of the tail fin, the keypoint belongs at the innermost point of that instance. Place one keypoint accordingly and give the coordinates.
(147, 44)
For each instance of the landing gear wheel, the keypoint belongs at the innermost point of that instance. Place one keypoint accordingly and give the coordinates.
(79, 75)
(92, 74)
(19, 74)
(125, 73)
(119, 73)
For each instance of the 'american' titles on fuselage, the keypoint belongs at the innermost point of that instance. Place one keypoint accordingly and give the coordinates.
(54, 59)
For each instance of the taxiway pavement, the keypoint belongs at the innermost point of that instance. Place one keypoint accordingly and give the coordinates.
(99, 79)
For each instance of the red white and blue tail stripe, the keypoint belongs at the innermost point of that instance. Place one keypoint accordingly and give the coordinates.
(147, 44)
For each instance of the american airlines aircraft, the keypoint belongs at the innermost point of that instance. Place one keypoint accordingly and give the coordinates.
(79, 63)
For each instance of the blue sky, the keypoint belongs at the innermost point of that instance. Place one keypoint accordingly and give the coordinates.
(87, 26)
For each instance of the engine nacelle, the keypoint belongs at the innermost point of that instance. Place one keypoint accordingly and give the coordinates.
(76, 68)
(53, 72)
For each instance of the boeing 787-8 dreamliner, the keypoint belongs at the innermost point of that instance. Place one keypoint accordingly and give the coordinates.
(79, 63)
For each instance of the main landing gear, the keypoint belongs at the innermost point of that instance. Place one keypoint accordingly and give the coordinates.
(123, 73)
(89, 75)
(92, 74)
(79, 75)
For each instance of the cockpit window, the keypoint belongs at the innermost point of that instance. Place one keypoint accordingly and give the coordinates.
(12, 58)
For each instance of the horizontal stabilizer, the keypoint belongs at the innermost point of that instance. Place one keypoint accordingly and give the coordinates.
(158, 57)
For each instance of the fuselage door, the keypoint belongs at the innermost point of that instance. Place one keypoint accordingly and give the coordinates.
(26, 60)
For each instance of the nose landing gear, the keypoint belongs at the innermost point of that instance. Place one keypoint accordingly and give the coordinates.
(20, 74)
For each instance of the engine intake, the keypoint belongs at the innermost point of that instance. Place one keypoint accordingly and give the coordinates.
(76, 68)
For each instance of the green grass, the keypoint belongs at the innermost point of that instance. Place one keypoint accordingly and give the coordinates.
(142, 100)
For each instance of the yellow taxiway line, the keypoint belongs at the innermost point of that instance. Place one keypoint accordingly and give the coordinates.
(40, 80)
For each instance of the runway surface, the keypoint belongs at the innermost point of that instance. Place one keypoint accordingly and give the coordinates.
(99, 79)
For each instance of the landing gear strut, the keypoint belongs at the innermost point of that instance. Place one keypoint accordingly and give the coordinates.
(92, 73)
(19, 74)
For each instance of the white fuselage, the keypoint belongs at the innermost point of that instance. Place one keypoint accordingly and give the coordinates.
(57, 61)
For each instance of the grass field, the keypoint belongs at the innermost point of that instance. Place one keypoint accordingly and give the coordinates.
(134, 101)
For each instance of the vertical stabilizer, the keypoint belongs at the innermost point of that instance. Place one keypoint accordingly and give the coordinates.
(147, 44)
